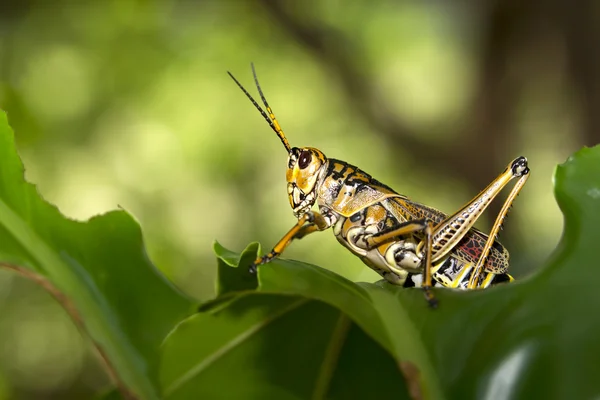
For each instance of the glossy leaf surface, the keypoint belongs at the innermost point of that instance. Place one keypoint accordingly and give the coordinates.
(100, 266)
(298, 331)
(534, 338)
(263, 345)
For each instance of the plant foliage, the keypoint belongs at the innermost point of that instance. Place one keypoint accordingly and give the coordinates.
(297, 331)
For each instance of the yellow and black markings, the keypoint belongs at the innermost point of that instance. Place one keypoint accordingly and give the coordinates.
(407, 243)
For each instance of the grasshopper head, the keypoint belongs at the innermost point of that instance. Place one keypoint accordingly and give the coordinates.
(304, 169)
(304, 164)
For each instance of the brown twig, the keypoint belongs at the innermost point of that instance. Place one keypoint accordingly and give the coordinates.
(70, 308)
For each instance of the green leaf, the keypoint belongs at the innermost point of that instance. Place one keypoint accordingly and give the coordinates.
(100, 267)
(112, 394)
(536, 338)
(235, 279)
(272, 346)
(374, 309)
(299, 331)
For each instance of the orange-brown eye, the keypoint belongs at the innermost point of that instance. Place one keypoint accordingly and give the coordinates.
(304, 160)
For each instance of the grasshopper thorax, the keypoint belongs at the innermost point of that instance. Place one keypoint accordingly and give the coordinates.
(306, 167)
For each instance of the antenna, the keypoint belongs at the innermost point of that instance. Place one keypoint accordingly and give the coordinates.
(270, 117)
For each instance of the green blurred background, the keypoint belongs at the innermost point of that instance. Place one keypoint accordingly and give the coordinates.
(127, 103)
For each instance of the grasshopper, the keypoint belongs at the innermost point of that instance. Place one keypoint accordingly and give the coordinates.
(407, 243)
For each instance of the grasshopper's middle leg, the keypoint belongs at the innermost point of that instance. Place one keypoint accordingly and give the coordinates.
(308, 223)
(408, 228)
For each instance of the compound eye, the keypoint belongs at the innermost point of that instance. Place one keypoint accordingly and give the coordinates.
(305, 158)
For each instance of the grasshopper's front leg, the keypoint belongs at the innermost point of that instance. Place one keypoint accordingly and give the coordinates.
(309, 222)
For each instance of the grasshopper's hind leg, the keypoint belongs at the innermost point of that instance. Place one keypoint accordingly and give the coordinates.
(442, 239)
(452, 230)
(521, 170)
(308, 223)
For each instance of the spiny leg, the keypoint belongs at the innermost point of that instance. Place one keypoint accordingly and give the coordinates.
(521, 169)
(316, 222)
(448, 233)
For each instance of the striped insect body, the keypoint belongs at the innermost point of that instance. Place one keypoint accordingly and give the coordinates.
(407, 243)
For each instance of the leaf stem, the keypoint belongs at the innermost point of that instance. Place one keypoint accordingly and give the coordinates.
(72, 311)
